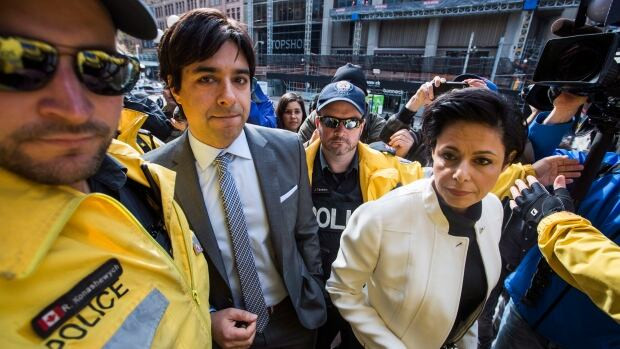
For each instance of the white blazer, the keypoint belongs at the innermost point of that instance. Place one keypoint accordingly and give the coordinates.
(399, 247)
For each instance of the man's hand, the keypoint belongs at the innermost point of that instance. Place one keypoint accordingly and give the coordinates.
(424, 95)
(547, 169)
(565, 106)
(401, 141)
(225, 330)
(476, 83)
(534, 202)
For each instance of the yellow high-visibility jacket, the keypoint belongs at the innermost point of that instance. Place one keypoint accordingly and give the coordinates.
(131, 133)
(583, 257)
(79, 271)
(380, 173)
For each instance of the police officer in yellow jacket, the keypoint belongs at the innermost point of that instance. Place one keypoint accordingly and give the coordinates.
(344, 173)
(95, 252)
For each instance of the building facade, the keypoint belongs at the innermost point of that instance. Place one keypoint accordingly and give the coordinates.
(162, 9)
(400, 43)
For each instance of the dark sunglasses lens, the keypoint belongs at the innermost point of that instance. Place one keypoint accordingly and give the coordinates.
(25, 65)
(107, 74)
(330, 122)
(351, 124)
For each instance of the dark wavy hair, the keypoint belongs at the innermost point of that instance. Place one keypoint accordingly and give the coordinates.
(476, 105)
(283, 103)
(197, 36)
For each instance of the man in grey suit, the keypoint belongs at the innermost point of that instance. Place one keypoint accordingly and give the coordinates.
(244, 190)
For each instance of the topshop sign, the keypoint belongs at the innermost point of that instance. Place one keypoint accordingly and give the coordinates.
(288, 44)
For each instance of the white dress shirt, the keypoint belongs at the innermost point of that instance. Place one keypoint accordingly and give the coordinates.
(246, 179)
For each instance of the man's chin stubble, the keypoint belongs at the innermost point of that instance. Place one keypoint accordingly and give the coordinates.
(60, 171)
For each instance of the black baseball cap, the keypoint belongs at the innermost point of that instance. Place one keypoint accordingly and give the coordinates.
(353, 74)
(132, 17)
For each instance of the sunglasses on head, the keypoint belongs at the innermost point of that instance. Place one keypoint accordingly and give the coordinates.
(332, 122)
(28, 65)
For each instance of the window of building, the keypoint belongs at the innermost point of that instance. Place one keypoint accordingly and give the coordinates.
(342, 3)
(289, 11)
(260, 14)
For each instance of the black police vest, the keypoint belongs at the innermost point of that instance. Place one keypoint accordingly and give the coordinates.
(332, 209)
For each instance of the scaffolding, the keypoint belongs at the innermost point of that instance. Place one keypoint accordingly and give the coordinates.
(269, 27)
(524, 30)
(357, 38)
(250, 18)
(308, 29)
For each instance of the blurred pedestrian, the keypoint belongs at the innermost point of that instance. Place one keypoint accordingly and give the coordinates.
(290, 112)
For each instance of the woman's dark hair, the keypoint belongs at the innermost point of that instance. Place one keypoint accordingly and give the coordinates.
(197, 36)
(476, 105)
(283, 103)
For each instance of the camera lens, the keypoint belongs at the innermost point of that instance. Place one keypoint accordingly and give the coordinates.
(579, 63)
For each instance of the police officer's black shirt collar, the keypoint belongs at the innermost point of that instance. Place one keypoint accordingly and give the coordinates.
(110, 177)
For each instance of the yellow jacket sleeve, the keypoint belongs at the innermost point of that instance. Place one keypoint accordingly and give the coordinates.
(583, 257)
(509, 176)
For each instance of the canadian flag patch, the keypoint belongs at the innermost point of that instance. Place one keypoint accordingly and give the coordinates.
(50, 318)
(70, 303)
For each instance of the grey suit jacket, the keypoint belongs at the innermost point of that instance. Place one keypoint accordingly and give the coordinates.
(280, 163)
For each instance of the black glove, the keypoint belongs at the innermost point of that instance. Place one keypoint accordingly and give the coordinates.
(536, 202)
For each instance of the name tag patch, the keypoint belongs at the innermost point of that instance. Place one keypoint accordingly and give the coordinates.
(70, 303)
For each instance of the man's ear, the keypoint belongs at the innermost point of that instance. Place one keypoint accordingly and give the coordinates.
(173, 90)
(316, 121)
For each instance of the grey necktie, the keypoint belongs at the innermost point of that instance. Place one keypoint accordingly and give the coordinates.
(238, 230)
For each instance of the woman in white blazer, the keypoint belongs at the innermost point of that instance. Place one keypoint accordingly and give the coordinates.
(415, 267)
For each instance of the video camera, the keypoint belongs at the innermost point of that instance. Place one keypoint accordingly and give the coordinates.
(585, 60)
